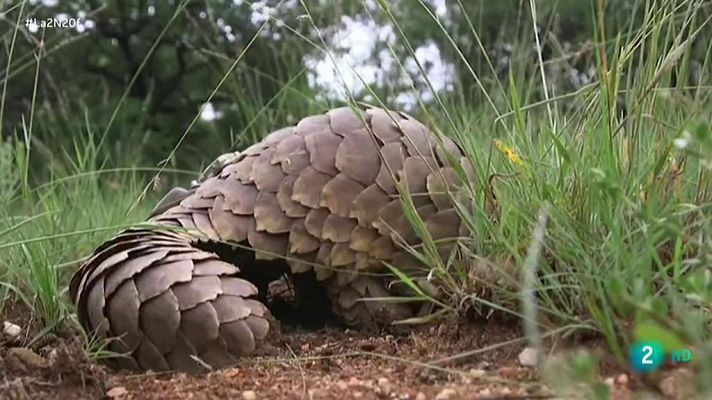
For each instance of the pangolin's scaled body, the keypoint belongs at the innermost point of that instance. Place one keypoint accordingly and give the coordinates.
(321, 196)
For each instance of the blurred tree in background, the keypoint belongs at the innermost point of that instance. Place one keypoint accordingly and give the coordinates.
(133, 75)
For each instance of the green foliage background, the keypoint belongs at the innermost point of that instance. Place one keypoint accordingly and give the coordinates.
(82, 77)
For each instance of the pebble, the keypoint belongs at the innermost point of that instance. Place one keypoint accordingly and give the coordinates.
(509, 372)
(384, 384)
(445, 394)
(249, 395)
(316, 393)
(622, 379)
(10, 329)
(527, 357)
(669, 387)
(232, 373)
(420, 396)
(677, 384)
(53, 356)
(117, 393)
(477, 373)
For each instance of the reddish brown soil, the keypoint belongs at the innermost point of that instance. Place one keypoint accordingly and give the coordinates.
(329, 363)
(338, 364)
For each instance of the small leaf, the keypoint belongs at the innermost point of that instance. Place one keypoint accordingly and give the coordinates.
(651, 331)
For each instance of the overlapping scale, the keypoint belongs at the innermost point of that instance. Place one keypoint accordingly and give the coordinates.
(159, 305)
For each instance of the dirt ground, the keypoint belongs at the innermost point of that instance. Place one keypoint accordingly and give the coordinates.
(327, 363)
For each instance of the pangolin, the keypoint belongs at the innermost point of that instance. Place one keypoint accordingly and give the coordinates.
(320, 200)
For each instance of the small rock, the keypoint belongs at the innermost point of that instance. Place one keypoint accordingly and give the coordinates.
(316, 393)
(342, 385)
(385, 385)
(232, 373)
(622, 379)
(22, 360)
(10, 329)
(677, 384)
(509, 372)
(53, 356)
(249, 395)
(528, 357)
(609, 382)
(420, 396)
(485, 392)
(477, 373)
(445, 394)
(117, 393)
(668, 386)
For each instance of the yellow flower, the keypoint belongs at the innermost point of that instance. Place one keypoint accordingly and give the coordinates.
(509, 152)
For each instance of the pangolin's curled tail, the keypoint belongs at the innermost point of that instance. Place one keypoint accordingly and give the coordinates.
(172, 305)
(320, 200)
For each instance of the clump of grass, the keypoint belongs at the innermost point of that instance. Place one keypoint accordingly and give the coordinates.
(45, 232)
(8, 177)
(626, 251)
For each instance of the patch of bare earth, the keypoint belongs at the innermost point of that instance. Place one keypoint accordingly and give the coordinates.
(342, 364)
(329, 363)
(57, 370)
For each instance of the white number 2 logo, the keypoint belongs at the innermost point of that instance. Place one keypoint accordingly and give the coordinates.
(648, 352)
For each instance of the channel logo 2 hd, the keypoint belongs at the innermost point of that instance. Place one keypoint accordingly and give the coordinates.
(649, 356)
